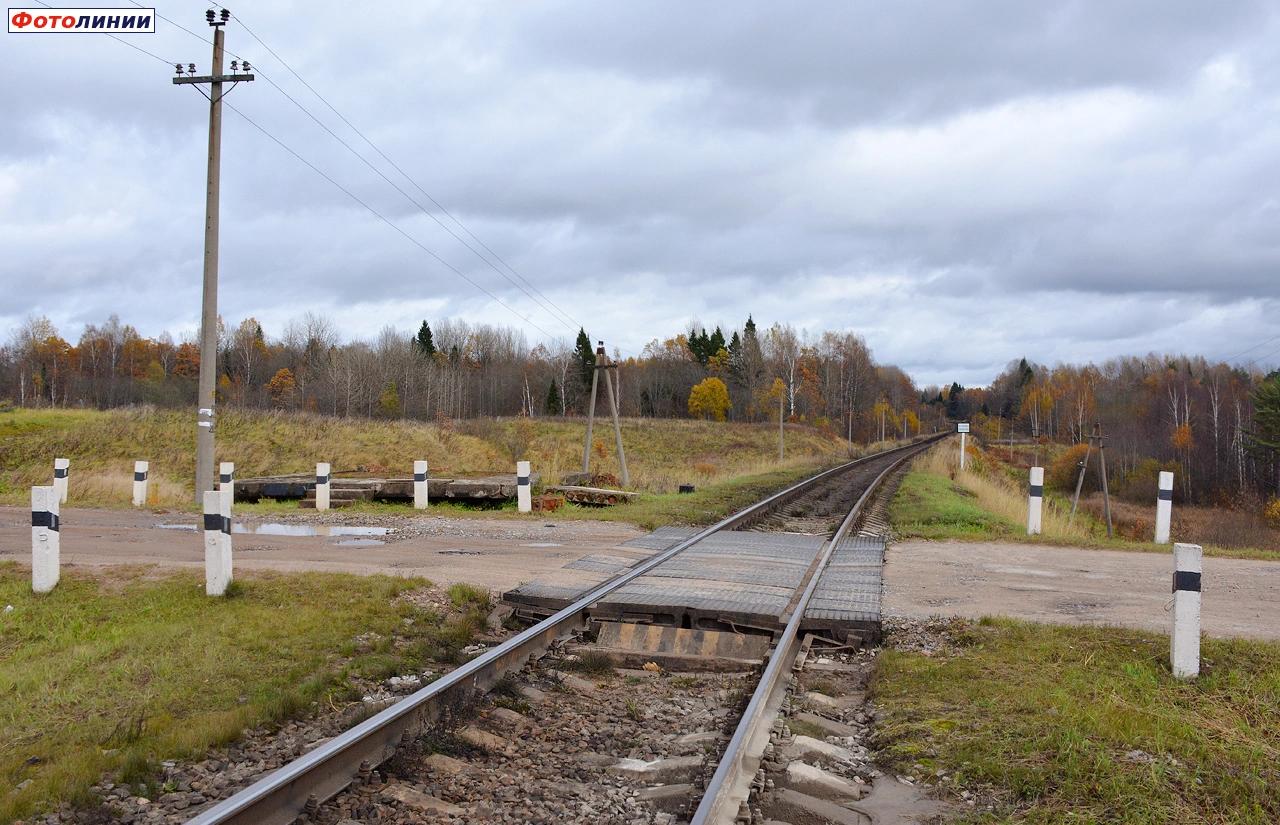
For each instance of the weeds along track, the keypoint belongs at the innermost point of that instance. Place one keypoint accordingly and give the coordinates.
(516, 736)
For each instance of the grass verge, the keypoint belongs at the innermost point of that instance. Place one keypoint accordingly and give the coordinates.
(118, 672)
(1087, 725)
(937, 501)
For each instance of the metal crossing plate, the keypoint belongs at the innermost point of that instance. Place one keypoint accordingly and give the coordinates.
(731, 578)
(847, 596)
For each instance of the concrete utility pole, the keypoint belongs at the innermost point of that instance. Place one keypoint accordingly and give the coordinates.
(209, 305)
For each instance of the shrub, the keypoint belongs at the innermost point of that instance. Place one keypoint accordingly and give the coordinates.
(1272, 513)
(1142, 483)
(1065, 469)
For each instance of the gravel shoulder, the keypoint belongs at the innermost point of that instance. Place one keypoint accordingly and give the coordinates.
(493, 553)
(1070, 585)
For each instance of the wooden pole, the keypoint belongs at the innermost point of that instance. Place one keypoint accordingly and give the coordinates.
(591, 419)
(1102, 461)
(1084, 466)
(613, 408)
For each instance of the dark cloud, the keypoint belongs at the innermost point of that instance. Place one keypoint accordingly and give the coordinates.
(1066, 181)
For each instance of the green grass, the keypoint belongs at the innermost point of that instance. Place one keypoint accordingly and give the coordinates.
(118, 672)
(932, 506)
(1046, 716)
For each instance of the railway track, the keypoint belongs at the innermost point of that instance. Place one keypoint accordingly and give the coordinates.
(829, 503)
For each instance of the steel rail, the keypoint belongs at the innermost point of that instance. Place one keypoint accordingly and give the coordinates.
(730, 785)
(279, 797)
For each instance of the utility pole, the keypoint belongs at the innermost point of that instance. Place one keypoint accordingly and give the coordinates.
(209, 303)
(602, 363)
(1084, 466)
(782, 433)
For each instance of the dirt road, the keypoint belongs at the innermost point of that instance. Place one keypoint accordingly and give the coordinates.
(1075, 586)
(492, 553)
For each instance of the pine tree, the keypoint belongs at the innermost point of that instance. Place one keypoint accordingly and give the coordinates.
(1266, 412)
(425, 344)
(586, 358)
(552, 407)
(715, 343)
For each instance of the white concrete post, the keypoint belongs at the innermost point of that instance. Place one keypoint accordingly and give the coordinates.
(1164, 508)
(1035, 501)
(215, 566)
(140, 473)
(420, 485)
(61, 474)
(1184, 654)
(224, 505)
(227, 486)
(963, 436)
(45, 539)
(524, 493)
(322, 486)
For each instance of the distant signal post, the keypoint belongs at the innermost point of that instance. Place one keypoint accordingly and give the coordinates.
(962, 427)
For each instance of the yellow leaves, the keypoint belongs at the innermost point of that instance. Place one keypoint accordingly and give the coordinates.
(709, 399)
(1181, 437)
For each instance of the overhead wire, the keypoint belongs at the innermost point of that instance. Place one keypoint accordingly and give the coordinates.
(405, 174)
(536, 296)
(340, 187)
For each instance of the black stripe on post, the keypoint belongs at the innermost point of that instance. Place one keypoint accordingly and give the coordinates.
(213, 522)
(44, 518)
(419, 476)
(59, 472)
(139, 476)
(1166, 495)
(226, 525)
(224, 478)
(1037, 490)
(1185, 580)
(523, 481)
(322, 479)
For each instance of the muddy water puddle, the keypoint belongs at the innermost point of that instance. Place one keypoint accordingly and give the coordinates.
(347, 535)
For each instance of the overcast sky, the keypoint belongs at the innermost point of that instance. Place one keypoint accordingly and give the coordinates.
(960, 183)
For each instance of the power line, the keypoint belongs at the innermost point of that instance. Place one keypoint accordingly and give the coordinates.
(384, 219)
(540, 298)
(536, 295)
(1252, 348)
(346, 191)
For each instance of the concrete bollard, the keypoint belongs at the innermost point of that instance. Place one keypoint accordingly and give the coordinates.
(224, 502)
(61, 476)
(420, 485)
(141, 469)
(322, 486)
(524, 493)
(1035, 501)
(227, 486)
(1184, 653)
(215, 545)
(1164, 508)
(45, 539)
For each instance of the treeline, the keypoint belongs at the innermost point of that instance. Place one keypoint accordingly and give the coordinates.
(1216, 426)
(453, 369)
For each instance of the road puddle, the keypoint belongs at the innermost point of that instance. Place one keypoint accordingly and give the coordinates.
(352, 535)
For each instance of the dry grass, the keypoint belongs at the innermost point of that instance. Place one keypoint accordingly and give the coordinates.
(1209, 526)
(102, 447)
(989, 501)
(996, 494)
